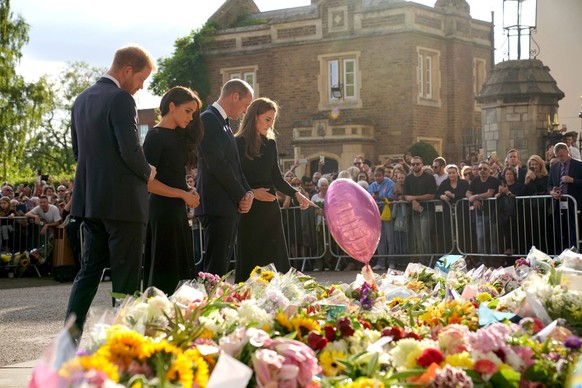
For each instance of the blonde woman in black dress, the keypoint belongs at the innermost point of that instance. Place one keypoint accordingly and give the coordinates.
(260, 234)
(171, 147)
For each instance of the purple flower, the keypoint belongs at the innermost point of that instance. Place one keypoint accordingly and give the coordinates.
(573, 342)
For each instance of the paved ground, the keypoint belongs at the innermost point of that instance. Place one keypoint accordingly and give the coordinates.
(32, 313)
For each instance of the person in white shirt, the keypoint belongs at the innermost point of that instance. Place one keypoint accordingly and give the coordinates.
(570, 139)
(440, 173)
(45, 215)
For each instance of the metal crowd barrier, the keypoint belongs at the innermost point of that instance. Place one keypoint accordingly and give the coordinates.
(22, 246)
(503, 228)
(510, 226)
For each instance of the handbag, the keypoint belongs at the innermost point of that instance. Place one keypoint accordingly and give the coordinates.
(386, 212)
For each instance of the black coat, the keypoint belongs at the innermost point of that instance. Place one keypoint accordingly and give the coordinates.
(112, 171)
(220, 181)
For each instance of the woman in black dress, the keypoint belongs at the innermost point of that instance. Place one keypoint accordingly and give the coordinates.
(260, 234)
(171, 147)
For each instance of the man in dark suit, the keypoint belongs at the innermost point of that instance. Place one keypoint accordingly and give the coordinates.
(565, 179)
(111, 180)
(513, 160)
(224, 191)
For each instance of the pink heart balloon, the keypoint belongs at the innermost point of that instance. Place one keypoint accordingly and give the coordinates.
(353, 219)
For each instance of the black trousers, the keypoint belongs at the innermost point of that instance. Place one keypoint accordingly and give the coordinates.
(219, 235)
(107, 243)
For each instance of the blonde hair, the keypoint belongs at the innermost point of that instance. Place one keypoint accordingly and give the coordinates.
(537, 158)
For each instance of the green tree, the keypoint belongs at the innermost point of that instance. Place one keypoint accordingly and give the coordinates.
(424, 150)
(50, 146)
(186, 67)
(22, 104)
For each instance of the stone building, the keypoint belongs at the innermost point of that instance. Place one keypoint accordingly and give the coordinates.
(358, 77)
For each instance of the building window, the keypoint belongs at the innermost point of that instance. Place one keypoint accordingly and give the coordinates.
(342, 77)
(428, 79)
(479, 74)
(340, 80)
(248, 74)
(436, 142)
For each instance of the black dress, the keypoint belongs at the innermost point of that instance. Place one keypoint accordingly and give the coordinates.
(169, 254)
(260, 234)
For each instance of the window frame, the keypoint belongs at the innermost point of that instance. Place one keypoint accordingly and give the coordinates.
(428, 77)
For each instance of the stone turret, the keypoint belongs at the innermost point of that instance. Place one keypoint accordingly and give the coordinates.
(516, 100)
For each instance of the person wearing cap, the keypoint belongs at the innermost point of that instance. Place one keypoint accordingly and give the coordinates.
(570, 140)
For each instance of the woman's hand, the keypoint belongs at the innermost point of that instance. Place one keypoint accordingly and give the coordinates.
(304, 202)
(191, 198)
(262, 194)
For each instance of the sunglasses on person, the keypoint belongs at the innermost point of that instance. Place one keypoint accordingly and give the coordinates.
(415, 164)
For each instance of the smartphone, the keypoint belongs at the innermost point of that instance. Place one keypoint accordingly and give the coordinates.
(322, 159)
(376, 192)
(302, 161)
(44, 177)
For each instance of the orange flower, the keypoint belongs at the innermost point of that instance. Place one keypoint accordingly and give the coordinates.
(425, 379)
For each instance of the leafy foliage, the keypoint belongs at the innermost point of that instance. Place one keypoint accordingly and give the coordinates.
(22, 104)
(49, 148)
(186, 67)
(424, 150)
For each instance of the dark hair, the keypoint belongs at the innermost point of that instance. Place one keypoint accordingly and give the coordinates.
(194, 131)
(248, 127)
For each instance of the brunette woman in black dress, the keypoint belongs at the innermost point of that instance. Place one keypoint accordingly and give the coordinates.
(260, 235)
(171, 147)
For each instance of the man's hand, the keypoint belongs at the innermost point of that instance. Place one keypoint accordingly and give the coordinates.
(191, 198)
(556, 193)
(246, 202)
(262, 194)
(153, 173)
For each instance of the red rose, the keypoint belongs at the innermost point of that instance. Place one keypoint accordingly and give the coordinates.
(485, 367)
(330, 332)
(345, 327)
(429, 356)
(316, 341)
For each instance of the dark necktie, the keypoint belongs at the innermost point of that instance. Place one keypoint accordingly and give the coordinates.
(563, 187)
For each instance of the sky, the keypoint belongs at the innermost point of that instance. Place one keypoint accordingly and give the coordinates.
(64, 31)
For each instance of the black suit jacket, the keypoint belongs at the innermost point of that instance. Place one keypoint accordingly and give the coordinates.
(112, 171)
(220, 181)
(574, 188)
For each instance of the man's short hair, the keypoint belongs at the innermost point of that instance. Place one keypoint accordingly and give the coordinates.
(513, 150)
(419, 158)
(236, 86)
(561, 146)
(43, 197)
(440, 160)
(135, 56)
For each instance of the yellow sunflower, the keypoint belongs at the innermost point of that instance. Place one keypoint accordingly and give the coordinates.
(162, 347)
(364, 382)
(123, 347)
(328, 362)
(88, 363)
(303, 326)
(283, 320)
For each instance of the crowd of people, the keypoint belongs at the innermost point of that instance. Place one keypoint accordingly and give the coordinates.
(507, 205)
(127, 197)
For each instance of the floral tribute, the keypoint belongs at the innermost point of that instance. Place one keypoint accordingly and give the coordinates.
(488, 327)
